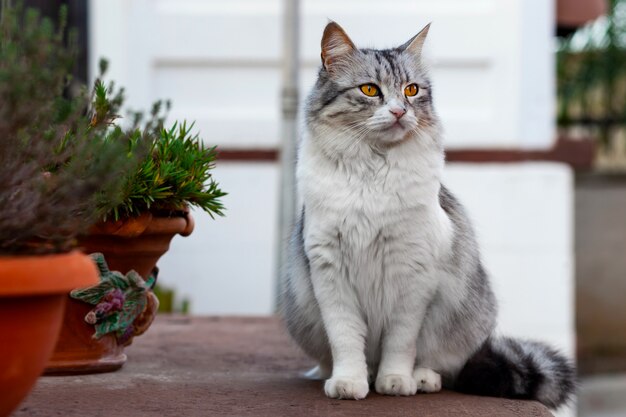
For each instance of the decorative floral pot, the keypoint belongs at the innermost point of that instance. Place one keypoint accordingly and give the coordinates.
(129, 244)
(33, 294)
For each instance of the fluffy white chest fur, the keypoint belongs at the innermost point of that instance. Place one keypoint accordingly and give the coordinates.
(374, 218)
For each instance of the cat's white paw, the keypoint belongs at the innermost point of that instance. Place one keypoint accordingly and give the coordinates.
(427, 380)
(347, 387)
(318, 373)
(395, 384)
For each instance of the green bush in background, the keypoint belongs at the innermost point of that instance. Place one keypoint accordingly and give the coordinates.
(591, 79)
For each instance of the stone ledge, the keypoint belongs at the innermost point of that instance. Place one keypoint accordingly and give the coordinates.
(231, 367)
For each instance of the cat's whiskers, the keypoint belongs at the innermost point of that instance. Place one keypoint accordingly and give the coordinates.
(361, 134)
(356, 130)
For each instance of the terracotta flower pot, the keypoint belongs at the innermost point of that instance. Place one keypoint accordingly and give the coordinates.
(129, 244)
(574, 13)
(136, 243)
(33, 293)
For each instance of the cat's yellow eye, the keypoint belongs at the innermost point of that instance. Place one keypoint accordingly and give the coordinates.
(411, 90)
(369, 90)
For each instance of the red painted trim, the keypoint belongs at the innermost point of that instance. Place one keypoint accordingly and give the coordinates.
(247, 155)
(579, 154)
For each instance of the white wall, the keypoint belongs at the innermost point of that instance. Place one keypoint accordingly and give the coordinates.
(523, 215)
(226, 266)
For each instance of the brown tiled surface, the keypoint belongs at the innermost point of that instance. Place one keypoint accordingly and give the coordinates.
(231, 367)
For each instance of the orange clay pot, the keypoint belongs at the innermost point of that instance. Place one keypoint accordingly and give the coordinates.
(33, 292)
(578, 12)
(135, 243)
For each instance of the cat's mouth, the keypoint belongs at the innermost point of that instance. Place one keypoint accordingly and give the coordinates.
(392, 131)
(396, 126)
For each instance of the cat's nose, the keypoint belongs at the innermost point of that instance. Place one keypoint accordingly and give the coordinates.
(397, 111)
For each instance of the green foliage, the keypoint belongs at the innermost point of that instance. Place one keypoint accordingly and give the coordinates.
(173, 166)
(58, 156)
(175, 172)
(168, 302)
(65, 161)
(591, 74)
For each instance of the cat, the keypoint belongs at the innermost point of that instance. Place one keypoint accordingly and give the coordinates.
(384, 283)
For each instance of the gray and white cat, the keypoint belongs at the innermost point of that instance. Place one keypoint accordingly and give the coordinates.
(384, 282)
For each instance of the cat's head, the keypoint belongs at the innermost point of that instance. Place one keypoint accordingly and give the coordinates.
(370, 96)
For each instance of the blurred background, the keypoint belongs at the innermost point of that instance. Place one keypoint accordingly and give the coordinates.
(532, 94)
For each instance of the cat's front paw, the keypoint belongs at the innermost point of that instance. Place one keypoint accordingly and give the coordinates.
(346, 387)
(427, 380)
(395, 384)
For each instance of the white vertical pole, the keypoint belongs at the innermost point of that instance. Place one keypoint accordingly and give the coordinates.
(289, 129)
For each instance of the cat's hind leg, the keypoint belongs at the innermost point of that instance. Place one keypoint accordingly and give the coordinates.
(396, 384)
(427, 380)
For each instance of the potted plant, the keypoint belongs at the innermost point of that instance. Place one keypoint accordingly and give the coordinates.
(173, 173)
(55, 169)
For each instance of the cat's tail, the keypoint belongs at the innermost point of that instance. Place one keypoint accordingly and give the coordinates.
(511, 368)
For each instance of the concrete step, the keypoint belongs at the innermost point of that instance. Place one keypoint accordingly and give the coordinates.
(185, 366)
(603, 396)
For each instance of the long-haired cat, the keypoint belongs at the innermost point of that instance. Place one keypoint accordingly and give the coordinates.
(384, 282)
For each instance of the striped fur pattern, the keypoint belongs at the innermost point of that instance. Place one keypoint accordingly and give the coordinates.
(384, 285)
(506, 367)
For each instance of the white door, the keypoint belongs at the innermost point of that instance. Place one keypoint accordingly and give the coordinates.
(219, 61)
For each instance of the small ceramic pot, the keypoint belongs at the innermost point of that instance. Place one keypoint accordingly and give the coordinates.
(128, 244)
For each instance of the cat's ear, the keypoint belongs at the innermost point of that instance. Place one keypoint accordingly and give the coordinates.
(416, 43)
(335, 45)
